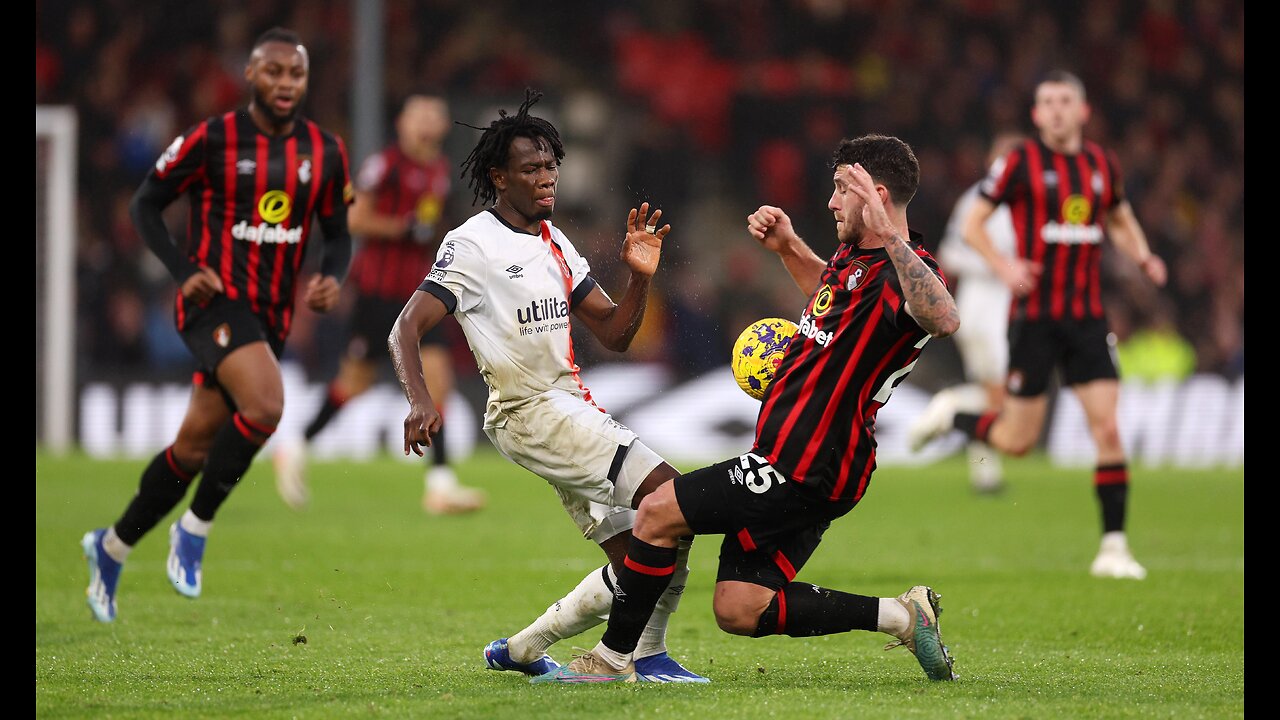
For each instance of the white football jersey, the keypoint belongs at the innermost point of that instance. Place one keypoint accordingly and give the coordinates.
(512, 292)
(956, 256)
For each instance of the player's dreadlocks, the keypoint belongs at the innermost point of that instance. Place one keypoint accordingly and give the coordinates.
(494, 148)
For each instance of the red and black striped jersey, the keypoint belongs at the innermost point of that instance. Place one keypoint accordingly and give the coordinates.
(1059, 205)
(855, 344)
(392, 268)
(252, 199)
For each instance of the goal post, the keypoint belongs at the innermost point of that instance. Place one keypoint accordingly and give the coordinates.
(56, 131)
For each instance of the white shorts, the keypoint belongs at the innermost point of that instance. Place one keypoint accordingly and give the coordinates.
(595, 463)
(983, 337)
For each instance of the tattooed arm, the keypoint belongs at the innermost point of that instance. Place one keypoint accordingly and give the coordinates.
(928, 300)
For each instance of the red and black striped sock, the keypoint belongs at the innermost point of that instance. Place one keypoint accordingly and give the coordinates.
(229, 457)
(163, 485)
(333, 402)
(645, 574)
(1111, 482)
(804, 610)
(977, 427)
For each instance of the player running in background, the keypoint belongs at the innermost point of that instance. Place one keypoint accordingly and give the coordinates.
(1065, 194)
(515, 283)
(398, 217)
(872, 307)
(983, 300)
(255, 178)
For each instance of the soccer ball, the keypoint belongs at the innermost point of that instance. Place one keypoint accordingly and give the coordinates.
(758, 352)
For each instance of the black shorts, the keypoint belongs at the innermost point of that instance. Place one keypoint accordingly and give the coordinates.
(771, 527)
(223, 325)
(1083, 350)
(371, 322)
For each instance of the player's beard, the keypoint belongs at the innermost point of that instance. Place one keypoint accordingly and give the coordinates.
(848, 233)
(277, 119)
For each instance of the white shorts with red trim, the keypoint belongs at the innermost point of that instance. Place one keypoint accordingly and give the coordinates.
(595, 463)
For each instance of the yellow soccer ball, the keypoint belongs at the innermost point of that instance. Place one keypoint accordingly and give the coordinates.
(758, 352)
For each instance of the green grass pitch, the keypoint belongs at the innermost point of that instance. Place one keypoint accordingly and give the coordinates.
(395, 606)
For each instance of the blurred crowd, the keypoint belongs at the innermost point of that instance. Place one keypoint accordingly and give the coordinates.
(707, 109)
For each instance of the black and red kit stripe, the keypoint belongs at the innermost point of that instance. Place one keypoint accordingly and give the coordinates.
(392, 268)
(855, 344)
(253, 198)
(1059, 205)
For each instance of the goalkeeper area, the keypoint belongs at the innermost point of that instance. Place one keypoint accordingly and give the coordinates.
(364, 606)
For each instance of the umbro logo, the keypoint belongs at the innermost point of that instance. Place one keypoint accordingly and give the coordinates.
(514, 271)
(246, 167)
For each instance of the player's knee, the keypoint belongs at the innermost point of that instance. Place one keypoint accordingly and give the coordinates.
(648, 525)
(653, 518)
(736, 619)
(1107, 434)
(190, 455)
(263, 412)
(1020, 447)
(1016, 441)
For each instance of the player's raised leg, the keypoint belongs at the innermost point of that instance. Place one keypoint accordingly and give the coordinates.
(756, 592)
(251, 377)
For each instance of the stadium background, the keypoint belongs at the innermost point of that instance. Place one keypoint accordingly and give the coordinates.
(707, 108)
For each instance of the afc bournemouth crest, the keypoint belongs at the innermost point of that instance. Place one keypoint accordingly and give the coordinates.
(222, 335)
(857, 273)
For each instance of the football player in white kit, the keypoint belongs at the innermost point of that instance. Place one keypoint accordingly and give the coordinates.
(514, 282)
(983, 301)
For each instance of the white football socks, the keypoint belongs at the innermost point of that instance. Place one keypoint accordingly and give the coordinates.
(893, 618)
(586, 606)
(195, 525)
(616, 660)
(441, 478)
(114, 546)
(985, 469)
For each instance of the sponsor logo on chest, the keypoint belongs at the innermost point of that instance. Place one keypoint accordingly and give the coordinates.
(809, 328)
(551, 308)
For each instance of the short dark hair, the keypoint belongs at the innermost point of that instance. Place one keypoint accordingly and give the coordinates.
(494, 147)
(887, 159)
(277, 34)
(1065, 78)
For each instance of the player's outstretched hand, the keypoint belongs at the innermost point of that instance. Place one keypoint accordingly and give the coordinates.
(420, 425)
(642, 247)
(202, 286)
(771, 227)
(322, 293)
(1021, 275)
(1155, 269)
